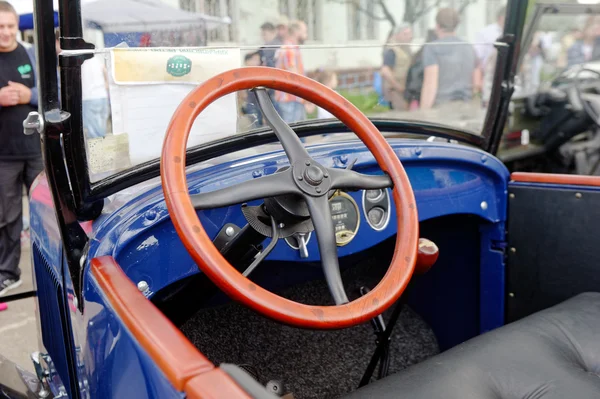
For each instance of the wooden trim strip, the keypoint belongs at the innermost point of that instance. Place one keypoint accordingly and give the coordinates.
(177, 357)
(549, 178)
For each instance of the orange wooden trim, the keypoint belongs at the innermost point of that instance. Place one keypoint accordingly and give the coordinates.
(215, 384)
(212, 262)
(166, 345)
(549, 178)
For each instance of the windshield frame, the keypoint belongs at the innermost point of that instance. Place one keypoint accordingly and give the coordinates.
(66, 122)
(77, 199)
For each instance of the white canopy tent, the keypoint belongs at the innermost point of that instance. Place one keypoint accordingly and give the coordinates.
(128, 16)
(124, 16)
(24, 9)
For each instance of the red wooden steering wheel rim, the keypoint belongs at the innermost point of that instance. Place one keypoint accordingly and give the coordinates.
(210, 260)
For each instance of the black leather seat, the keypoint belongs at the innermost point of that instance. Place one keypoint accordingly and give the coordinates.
(549, 355)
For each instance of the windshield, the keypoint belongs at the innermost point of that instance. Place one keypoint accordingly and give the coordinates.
(427, 61)
(561, 41)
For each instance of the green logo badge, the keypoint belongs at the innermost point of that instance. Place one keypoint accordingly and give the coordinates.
(24, 69)
(179, 66)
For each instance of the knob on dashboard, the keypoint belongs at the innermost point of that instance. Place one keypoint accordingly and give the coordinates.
(427, 255)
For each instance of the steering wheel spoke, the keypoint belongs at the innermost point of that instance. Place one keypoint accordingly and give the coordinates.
(292, 145)
(279, 183)
(345, 179)
(321, 218)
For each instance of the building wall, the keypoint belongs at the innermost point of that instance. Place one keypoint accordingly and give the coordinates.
(251, 15)
(172, 3)
(334, 26)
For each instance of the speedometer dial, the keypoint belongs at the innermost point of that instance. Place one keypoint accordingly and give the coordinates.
(345, 217)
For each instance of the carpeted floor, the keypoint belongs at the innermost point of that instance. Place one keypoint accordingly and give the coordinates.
(310, 364)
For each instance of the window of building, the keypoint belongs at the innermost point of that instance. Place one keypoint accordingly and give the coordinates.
(308, 11)
(217, 8)
(361, 24)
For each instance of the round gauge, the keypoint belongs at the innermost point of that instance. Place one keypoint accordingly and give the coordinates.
(376, 207)
(376, 217)
(374, 195)
(345, 217)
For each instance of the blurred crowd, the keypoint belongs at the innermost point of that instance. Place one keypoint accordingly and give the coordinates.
(446, 69)
(552, 51)
(281, 49)
(580, 44)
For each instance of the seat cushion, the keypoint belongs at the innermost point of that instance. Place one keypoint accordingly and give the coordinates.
(552, 354)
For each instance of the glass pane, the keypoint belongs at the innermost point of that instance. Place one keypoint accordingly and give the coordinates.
(437, 67)
(560, 41)
(545, 98)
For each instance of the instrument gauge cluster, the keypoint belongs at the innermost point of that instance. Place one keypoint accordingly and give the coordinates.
(345, 217)
(376, 206)
(345, 213)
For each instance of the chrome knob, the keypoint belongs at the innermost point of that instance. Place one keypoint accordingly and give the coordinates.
(33, 123)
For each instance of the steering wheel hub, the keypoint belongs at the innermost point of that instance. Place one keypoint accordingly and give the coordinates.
(314, 175)
(312, 178)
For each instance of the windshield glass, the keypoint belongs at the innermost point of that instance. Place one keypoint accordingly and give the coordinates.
(562, 41)
(416, 60)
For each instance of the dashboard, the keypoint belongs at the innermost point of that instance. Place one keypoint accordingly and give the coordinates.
(446, 178)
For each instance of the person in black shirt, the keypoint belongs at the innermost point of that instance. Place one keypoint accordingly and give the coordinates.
(20, 155)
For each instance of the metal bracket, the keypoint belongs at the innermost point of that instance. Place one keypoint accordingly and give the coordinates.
(40, 364)
(74, 60)
(262, 255)
(226, 234)
(75, 43)
(33, 123)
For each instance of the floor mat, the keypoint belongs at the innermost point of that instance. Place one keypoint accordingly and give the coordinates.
(310, 364)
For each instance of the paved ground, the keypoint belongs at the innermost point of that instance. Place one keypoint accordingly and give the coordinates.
(18, 325)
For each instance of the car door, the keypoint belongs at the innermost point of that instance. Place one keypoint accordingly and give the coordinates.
(553, 240)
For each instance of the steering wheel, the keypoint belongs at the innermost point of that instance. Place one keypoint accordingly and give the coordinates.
(305, 178)
(589, 104)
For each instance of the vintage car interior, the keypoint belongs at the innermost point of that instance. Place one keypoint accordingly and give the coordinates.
(295, 332)
(273, 264)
